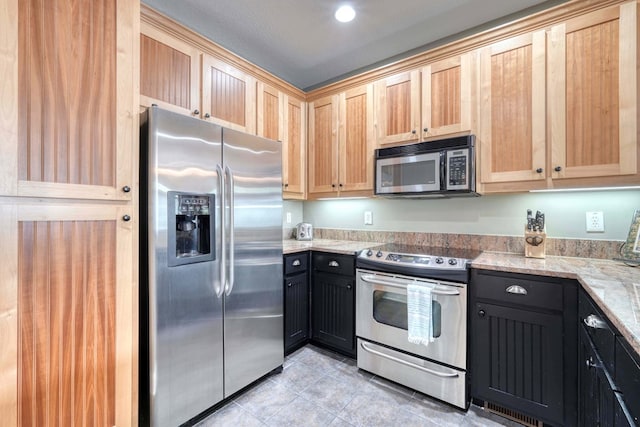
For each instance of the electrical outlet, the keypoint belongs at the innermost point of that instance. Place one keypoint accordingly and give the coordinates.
(368, 218)
(288, 217)
(595, 222)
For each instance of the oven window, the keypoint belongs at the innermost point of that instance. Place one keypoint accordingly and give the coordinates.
(413, 173)
(391, 309)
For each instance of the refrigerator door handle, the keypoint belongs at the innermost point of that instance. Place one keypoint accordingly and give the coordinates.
(231, 189)
(223, 259)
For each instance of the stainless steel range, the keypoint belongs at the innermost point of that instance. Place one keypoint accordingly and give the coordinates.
(383, 275)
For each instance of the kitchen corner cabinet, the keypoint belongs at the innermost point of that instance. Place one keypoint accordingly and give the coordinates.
(341, 144)
(169, 72)
(333, 301)
(523, 344)
(593, 96)
(228, 95)
(512, 121)
(68, 283)
(296, 301)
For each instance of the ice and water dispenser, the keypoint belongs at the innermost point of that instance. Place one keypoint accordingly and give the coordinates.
(191, 227)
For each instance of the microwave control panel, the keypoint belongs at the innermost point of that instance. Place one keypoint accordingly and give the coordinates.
(458, 169)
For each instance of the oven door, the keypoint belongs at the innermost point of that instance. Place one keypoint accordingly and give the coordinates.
(408, 174)
(381, 316)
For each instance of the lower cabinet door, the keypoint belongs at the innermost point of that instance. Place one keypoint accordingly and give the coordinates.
(333, 301)
(296, 310)
(518, 360)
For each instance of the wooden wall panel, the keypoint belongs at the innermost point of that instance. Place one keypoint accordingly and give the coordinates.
(511, 109)
(592, 114)
(445, 97)
(165, 73)
(356, 147)
(398, 113)
(67, 91)
(228, 95)
(323, 150)
(66, 323)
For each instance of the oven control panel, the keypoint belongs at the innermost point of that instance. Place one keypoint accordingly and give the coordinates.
(413, 260)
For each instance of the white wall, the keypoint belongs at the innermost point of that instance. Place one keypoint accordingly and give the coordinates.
(492, 214)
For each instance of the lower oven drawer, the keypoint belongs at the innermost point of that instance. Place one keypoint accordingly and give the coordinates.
(430, 378)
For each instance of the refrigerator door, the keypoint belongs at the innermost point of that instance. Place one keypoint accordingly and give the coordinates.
(185, 298)
(253, 326)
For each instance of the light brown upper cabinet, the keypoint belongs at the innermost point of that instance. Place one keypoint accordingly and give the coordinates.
(169, 72)
(294, 148)
(593, 97)
(228, 95)
(512, 130)
(446, 96)
(341, 144)
(397, 108)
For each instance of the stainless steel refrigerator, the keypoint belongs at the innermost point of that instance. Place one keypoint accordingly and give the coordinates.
(211, 264)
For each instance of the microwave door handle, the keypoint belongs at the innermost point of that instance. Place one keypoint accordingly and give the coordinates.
(402, 285)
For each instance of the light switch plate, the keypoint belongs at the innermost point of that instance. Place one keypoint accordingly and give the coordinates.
(595, 222)
(288, 217)
(368, 218)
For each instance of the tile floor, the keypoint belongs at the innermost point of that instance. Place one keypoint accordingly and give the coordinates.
(322, 388)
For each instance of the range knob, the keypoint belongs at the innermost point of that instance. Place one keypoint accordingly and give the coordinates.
(439, 260)
(369, 252)
(453, 261)
(379, 254)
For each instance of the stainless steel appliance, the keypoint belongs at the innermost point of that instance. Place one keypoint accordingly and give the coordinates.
(304, 231)
(441, 168)
(211, 264)
(383, 274)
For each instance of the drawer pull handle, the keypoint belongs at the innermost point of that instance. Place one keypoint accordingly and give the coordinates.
(516, 289)
(334, 264)
(296, 263)
(595, 322)
(407, 363)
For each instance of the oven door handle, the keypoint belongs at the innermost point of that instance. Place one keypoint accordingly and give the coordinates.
(411, 365)
(376, 281)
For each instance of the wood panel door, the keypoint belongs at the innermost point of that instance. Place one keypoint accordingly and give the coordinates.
(270, 117)
(228, 95)
(593, 97)
(446, 96)
(397, 108)
(356, 140)
(294, 149)
(512, 133)
(69, 117)
(169, 72)
(323, 146)
(68, 305)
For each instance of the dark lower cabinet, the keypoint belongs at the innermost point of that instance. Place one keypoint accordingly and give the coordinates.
(296, 301)
(523, 344)
(333, 302)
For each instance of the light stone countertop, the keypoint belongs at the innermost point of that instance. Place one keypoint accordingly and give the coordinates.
(614, 286)
(347, 247)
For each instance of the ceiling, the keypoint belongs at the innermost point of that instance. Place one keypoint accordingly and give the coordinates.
(301, 42)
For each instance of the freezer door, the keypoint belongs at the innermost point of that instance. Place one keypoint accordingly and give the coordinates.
(253, 327)
(185, 299)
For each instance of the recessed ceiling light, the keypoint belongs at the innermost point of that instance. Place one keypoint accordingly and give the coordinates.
(345, 13)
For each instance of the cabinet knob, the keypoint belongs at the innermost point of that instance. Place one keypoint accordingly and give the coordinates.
(126, 188)
(348, 286)
(289, 284)
(539, 170)
(557, 168)
(126, 218)
(296, 263)
(425, 130)
(286, 185)
(333, 186)
(340, 185)
(482, 313)
(196, 112)
(207, 115)
(334, 263)
(590, 363)
(414, 132)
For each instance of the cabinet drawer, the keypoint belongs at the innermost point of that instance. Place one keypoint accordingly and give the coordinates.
(334, 263)
(518, 289)
(628, 380)
(599, 330)
(295, 263)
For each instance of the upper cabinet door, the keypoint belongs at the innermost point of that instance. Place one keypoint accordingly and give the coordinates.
(446, 96)
(356, 140)
(228, 95)
(512, 133)
(323, 145)
(397, 108)
(69, 102)
(594, 112)
(169, 72)
(294, 149)
(269, 112)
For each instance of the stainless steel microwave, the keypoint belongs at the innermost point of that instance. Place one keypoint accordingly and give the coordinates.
(440, 168)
